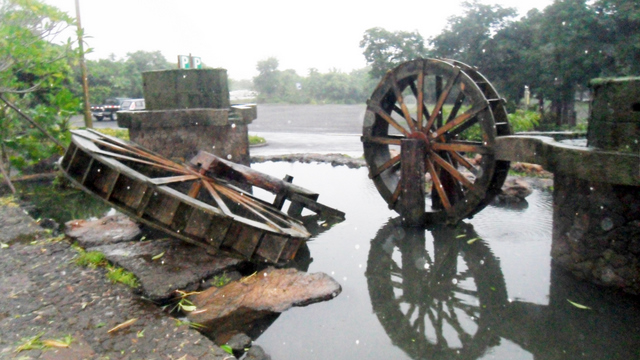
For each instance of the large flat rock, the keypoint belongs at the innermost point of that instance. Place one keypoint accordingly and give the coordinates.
(238, 305)
(165, 265)
(107, 230)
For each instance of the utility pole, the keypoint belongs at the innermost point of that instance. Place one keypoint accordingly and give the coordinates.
(88, 122)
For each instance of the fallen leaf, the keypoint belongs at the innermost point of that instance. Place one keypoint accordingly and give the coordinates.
(460, 236)
(579, 306)
(158, 256)
(55, 343)
(3, 246)
(472, 240)
(123, 325)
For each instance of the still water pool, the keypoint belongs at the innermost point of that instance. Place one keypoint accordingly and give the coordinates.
(483, 290)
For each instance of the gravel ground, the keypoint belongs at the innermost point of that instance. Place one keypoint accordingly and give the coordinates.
(46, 296)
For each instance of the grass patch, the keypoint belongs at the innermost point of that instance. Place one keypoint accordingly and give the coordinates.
(96, 259)
(256, 140)
(9, 201)
(120, 275)
(220, 280)
(118, 133)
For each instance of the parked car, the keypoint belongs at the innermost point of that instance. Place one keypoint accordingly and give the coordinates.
(109, 109)
(132, 105)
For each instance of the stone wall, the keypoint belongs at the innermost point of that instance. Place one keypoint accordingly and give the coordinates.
(596, 232)
(188, 111)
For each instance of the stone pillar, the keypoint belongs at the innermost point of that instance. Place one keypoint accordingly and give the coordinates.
(187, 111)
(596, 231)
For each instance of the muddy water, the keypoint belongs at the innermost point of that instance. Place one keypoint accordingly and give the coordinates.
(483, 290)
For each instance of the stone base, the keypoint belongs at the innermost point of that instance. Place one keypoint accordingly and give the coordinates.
(180, 134)
(596, 232)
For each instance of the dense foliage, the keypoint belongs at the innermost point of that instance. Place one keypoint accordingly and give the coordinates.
(274, 85)
(35, 73)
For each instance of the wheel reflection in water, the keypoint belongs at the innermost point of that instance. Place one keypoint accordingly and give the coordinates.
(440, 305)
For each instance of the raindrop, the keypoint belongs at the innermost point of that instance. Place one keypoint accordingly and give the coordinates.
(233, 126)
(213, 147)
(344, 278)
(483, 50)
(196, 124)
(586, 51)
(185, 76)
(128, 187)
(333, 273)
(509, 300)
(265, 274)
(481, 262)
(99, 170)
(357, 247)
(454, 281)
(591, 188)
(564, 23)
(229, 157)
(606, 224)
(334, 294)
(357, 342)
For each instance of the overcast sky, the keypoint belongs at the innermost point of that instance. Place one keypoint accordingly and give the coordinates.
(236, 34)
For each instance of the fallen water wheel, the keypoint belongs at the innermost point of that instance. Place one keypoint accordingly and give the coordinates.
(435, 120)
(204, 202)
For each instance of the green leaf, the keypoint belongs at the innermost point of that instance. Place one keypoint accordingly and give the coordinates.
(460, 236)
(188, 308)
(158, 256)
(227, 348)
(3, 246)
(579, 306)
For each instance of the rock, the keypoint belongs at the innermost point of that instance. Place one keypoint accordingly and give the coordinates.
(108, 230)
(177, 265)
(239, 342)
(237, 305)
(515, 187)
(18, 226)
(257, 353)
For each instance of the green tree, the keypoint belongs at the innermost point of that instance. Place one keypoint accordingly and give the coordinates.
(34, 75)
(619, 36)
(468, 37)
(384, 49)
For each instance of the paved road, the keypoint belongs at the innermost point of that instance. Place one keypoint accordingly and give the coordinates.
(298, 128)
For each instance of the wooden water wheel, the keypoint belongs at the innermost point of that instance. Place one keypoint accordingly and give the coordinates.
(438, 118)
(204, 202)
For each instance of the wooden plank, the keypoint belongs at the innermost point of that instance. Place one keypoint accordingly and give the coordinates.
(412, 199)
(271, 247)
(278, 202)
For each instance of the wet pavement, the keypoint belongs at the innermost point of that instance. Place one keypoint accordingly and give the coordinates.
(49, 302)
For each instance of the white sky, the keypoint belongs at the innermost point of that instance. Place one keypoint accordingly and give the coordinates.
(236, 34)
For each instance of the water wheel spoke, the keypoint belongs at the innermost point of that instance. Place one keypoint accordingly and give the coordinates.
(396, 284)
(438, 185)
(467, 147)
(383, 140)
(410, 311)
(423, 111)
(400, 100)
(217, 198)
(395, 195)
(464, 162)
(386, 117)
(457, 104)
(453, 171)
(391, 162)
(252, 206)
(140, 161)
(173, 179)
(443, 97)
(471, 114)
(125, 148)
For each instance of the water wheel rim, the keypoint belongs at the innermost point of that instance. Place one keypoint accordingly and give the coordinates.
(388, 120)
